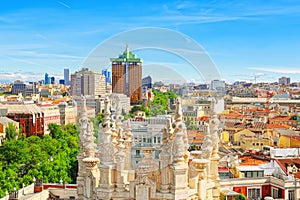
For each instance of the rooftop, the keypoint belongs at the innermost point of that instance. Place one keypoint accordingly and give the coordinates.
(127, 56)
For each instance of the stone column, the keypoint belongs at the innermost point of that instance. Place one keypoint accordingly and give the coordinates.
(200, 166)
(179, 185)
(164, 158)
(107, 155)
(128, 145)
(91, 179)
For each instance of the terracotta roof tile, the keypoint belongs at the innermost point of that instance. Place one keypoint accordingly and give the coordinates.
(283, 163)
(250, 161)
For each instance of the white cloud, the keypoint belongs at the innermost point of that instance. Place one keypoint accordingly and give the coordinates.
(282, 70)
(63, 4)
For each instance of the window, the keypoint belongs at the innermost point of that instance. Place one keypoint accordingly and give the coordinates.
(254, 193)
(291, 195)
(260, 174)
(158, 140)
(137, 152)
(154, 140)
(254, 174)
(248, 174)
(275, 193)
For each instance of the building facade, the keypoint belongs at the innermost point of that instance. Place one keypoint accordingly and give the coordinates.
(127, 75)
(29, 116)
(106, 172)
(86, 82)
(51, 115)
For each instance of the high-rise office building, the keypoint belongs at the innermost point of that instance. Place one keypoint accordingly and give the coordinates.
(284, 80)
(86, 82)
(52, 79)
(67, 76)
(106, 73)
(47, 79)
(147, 82)
(219, 86)
(127, 75)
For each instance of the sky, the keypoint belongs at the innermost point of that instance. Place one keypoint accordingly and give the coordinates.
(255, 40)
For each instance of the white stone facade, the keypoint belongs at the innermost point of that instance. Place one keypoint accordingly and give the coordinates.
(105, 172)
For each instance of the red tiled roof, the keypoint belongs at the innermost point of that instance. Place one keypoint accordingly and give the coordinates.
(195, 136)
(250, 161)
(223, 169)
(272, 126)
(204, 118)
(283, 163)
(281, 118)
(234, 115)
(250, 125)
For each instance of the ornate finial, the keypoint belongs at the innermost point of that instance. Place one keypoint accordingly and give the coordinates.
(88, 147)
(180, 143)
(105, 131)
(212, 106)
(107, 108)
(127, 50)
(207, 143)
(178, 113)
(83, 107)
(119, 119)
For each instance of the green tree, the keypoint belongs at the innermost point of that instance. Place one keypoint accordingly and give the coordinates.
(242, 197)
(162, 102)
(11, 131)
(192, 127)
(52, 158)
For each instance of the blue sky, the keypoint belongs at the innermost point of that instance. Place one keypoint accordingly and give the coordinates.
(245, 39)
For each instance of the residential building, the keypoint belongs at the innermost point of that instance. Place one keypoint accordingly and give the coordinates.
(29, 116)
(123, 99)
(26, 89)
(284, 80)
(86, 82)
(219, 86)
(51, 115)
(147, 82)
(68, 112)
(127, 75)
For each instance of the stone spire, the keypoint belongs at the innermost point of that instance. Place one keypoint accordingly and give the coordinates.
(207, 143)
(180, 143)
(166, 140)
(119, 118)
(165, 157)
(87, 137)
(128, 145)
(214, 161)
(88, 175)
(114, 134)
(214, 128)
(105, 142)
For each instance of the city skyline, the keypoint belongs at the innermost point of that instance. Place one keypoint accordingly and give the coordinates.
(246, 41)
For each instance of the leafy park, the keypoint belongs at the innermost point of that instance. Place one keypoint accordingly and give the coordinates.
(51, 158)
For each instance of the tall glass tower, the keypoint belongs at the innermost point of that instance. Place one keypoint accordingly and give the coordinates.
(127, 75)
(67, 76)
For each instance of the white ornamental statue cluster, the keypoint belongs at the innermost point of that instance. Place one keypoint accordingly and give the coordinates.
(180, 141)
(87, 138)
(105, 145)
(211, 138)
